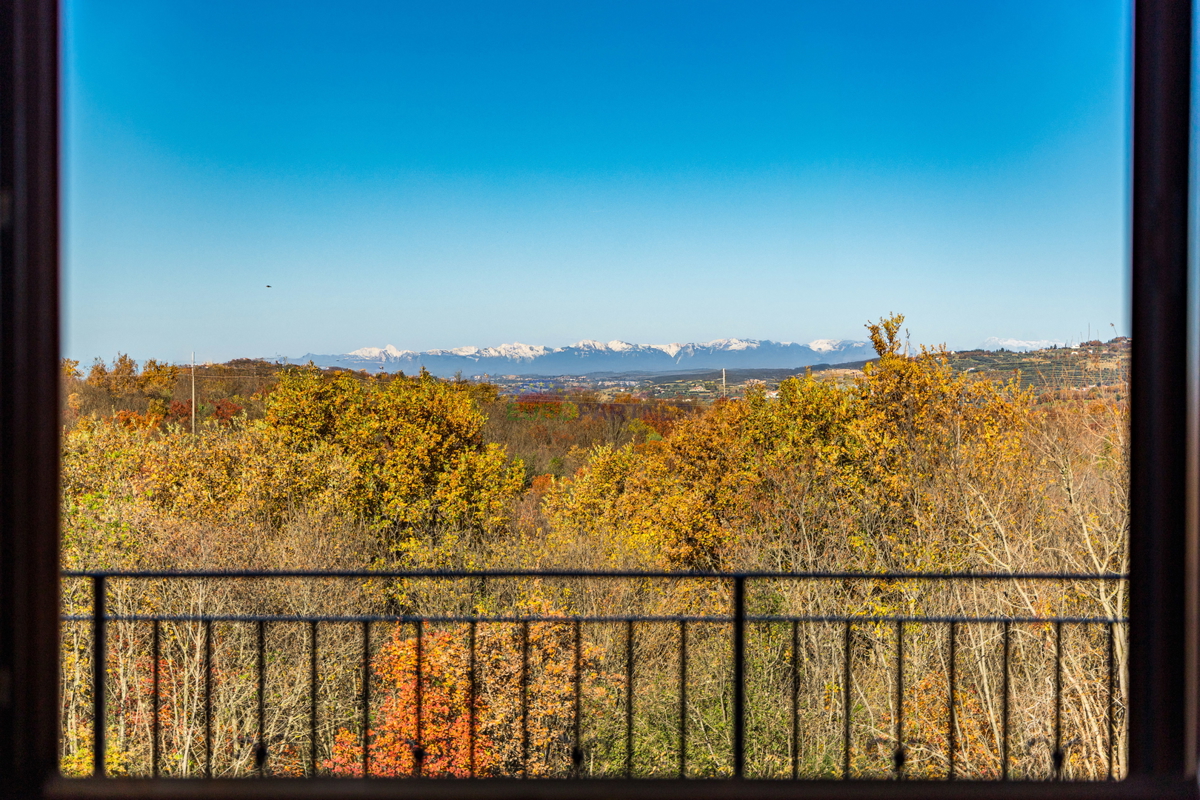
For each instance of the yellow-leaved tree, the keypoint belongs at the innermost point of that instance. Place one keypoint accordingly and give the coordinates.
(880, 473)
(415, 445)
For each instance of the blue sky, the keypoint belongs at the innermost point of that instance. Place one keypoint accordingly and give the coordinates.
(447, 173)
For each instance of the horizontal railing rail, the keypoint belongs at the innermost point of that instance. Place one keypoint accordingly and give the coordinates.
(409, 619)
(568, 573)
(880, 632)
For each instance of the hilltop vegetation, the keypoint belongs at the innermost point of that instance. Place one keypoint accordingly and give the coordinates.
(1091, 364)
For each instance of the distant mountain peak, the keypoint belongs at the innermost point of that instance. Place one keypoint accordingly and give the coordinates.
(591, 356)
(379, 352)
(734, 344)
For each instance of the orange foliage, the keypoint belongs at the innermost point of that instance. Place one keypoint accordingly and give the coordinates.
(441, 746)
(439, 743)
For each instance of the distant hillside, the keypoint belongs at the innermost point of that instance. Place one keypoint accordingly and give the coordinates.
(1093, 363)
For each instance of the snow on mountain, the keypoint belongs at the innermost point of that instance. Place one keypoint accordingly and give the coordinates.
(517, 350)
(1019, 345)
(391, 351)
(590, 356)
(732, 344)
(825, 345)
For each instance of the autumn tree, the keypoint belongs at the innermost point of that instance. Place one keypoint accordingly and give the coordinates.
(415, 446)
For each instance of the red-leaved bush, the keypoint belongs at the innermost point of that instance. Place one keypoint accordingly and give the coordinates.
(445, 722)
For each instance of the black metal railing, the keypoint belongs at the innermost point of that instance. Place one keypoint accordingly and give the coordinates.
(879, 743)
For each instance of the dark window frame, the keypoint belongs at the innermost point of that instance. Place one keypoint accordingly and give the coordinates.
(1164, 723)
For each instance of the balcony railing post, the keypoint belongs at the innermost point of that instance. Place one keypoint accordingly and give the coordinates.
(795, 715)
(312, 697)
(260, 746)
(419, 692)
(577, 716)
(739, 676)
(156, 699)
(99, 674)
(951, 663)
(524, 699)
(898, 756)
(209, 756)
(471, 699)
(683, 697)
(1004, 698)
(1057, 756)
(629, 698)
(1110, 712)
(366, 698)
(847, 706)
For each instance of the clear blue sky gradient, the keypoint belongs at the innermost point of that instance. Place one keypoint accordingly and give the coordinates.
(447, 173)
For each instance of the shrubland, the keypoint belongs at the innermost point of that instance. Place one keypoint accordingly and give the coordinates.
(913, 467)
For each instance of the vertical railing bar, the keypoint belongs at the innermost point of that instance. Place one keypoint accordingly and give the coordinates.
(950, 732)
(209, 755)
(1111, 698)
(260, 747)
(898, 756)
(366, 699)
(577, 722)
(312, 697)
(1058, 752)
(846, 705)
(99, 675)
(795, 700)
(471, 690)
(739, 676)
(1004, 681)
(629, 698)
(525, 699)
(419, 745)
(683, 697)
(155, 732)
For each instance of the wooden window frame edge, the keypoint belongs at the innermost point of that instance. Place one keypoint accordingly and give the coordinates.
(596, 789)
(1164, 725)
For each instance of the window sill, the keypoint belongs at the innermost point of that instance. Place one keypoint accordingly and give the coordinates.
(509, 789)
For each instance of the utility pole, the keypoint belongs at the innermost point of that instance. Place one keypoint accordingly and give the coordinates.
(723, 394)
(193, 393)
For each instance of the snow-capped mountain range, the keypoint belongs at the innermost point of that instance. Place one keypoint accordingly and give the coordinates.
(589, 356)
